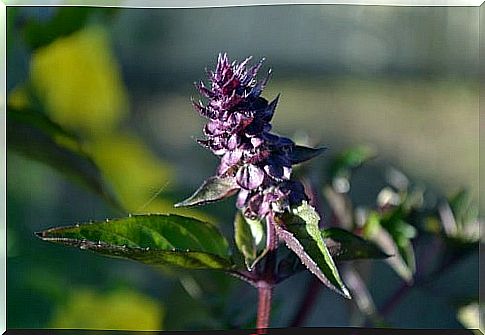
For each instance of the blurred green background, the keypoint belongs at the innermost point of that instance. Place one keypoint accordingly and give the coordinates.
(403, 80)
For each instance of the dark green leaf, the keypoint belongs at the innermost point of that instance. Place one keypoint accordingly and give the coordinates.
(35, 136)
(150, 239)
(213, 189)
(12, 14)
(300, 232)
(65, 21)
(350, 159)
(250, 239)
(301, 154)
(343, 245)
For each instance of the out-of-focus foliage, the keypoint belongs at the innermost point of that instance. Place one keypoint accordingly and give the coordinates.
(134, 171)
(120, 309)
(75, 80)
(34, 135)
(399, 216)
(469, 316)
(63, 22)
(78, 80)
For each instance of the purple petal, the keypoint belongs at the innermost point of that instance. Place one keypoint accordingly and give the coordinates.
(250, 177)
(242, 198)
(229, 159)
(232, 142)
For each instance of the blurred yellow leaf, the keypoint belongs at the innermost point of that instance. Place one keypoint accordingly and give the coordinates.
(121, 309)
(138, 177)
(79, 81)
(133, 170)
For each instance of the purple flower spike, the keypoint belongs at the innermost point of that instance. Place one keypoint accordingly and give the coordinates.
(238, 130)
(253, 160)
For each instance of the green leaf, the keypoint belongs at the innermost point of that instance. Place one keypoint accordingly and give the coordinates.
(299, 230)
(401, 261)
(213, 189)
(35, 136)
(301, 154)
(401, 233)
(464, 208)
(250, 239)
(349, 160)
(344, 246)
(151, 239)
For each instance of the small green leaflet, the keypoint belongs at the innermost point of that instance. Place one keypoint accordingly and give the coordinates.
(350, 159)
(250, 239)
(161, 239)
(375, 232)
(213, 189)
(301, 234)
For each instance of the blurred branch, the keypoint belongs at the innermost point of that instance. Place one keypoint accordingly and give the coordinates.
(420, 281)
(307, 303)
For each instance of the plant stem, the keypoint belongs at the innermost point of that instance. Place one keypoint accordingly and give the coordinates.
(265, 291)
(266, 281)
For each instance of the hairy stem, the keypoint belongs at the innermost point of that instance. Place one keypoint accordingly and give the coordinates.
(265, 291)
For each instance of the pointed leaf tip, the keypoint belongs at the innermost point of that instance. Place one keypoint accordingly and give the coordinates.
(213, 189)
(301, 154)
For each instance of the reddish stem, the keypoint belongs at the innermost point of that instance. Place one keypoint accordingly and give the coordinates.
(265, 291)
(267, 277)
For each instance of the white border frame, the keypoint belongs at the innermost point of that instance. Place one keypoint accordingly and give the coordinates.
(238, 3)
(142, 4)
(3, 169)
